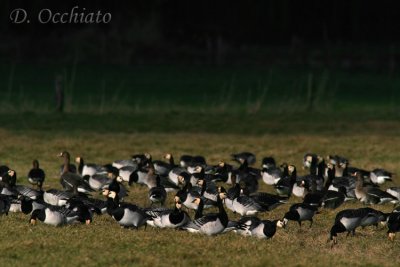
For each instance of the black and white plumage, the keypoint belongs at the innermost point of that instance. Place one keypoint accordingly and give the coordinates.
(212, 223)
(56, 216)
(89, 169)
(36, 175)
(157, 194)
(380, 176)
(127, 215)
(169, 218)
(57, 197)
(272, 174)
(300, 212)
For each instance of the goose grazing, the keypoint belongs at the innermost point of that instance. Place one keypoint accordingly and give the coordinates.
(127, 215)
(36, 175)
(210, 224)
(374, 217)
(299, 212)
(371, 195)
(67, 167)
(56, 216)
(346, 220)
(89, 169)
(380, 176)
(70, 180)
(170, 218)
(247, 157)
(157, 194)
(393, 224)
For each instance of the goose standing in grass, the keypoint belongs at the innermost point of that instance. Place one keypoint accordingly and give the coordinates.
(253, 226)
(393, 224)
(299, 212)
(127, 215)
(332, 199)
(36, 175)
(89, 169)
(374, 217)
(346, 221)
(70, 180)
(157, 194)
(372, 195)
(67, 166)
(212, 223)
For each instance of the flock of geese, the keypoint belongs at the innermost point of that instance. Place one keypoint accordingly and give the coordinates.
(198, 186)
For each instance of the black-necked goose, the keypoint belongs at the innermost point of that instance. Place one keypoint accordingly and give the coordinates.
(380, 176)
(393, 224)
(346, 221)
(210, 224)
(28, 205)
(266, 229)
(186, 195)
(129, 174)
(157, 194)
(36, 175)
(247, 157)
(272, 174)
(285, 185)
(69, 167)
(372, 195)
(56, 216)
(163, 168)
(8, 179)
(127, 215)
(89, 169)
(172, 218)
(299, 212)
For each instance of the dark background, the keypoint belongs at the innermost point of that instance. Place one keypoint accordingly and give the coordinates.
(208, 32)
(208, 57)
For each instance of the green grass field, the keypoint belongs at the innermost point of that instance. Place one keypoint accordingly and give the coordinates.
(113, 112)
(105, 243)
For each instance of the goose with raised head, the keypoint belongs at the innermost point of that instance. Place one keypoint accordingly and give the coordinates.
(210, 224)
(36, 175)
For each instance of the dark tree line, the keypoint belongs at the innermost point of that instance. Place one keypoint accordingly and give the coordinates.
(164, 31)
